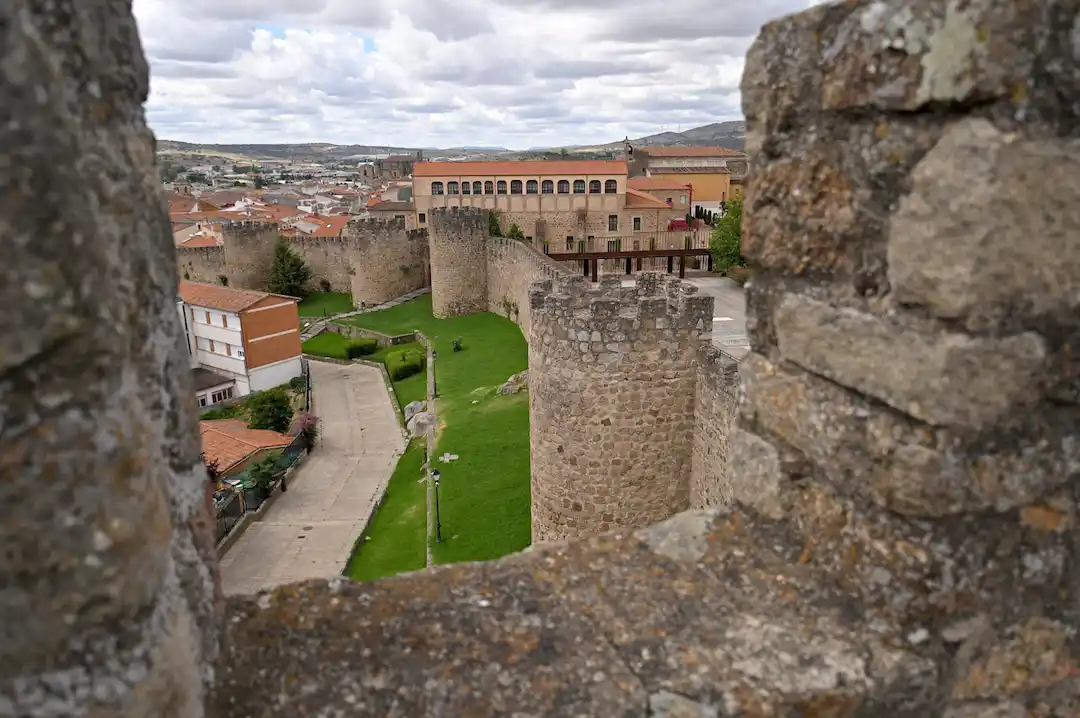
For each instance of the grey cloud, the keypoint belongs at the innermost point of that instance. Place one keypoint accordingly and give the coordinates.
(577, 69)
(429, 108)
(696, 19)
(192, 70)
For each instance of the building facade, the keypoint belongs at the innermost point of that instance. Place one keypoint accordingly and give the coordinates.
(550, 201)
(250, 338)
(707, 170)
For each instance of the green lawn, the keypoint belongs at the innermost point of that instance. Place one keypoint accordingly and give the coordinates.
(409, 389)
(394, 540)
(484, 494)
(317, 304)
(326, 344)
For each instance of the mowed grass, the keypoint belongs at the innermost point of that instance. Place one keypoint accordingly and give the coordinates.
(484, 494)
(394, 541)
(326, 344)
(317, 304)
(329, 344)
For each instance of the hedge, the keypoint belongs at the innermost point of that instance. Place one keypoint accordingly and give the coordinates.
(361, 347)
(405, 363)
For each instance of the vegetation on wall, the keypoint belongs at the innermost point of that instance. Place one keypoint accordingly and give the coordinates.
(289, 273)
(515, 232)
(725, 244)
(493, 224)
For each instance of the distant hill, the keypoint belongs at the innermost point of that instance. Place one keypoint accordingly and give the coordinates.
(311, 152)
(731, 134)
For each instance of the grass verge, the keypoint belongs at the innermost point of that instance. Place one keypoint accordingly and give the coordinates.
(326, 344)
(317, 304)
(394, 540)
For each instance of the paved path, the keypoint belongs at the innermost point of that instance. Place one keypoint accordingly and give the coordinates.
(310, 530)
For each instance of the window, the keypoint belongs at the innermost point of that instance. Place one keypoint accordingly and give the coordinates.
(208, 318)
(611, 187)
(614, 245)
(531, 187)
(547, 187)
(476, 188)
(436, 188)
(212, 346)
(682, 199)
(723, 196)
(569, 243)
(423, 218)
(613, 223)
(399, 216)
(228, 349)
(451, 188)
(489, 188)
(221, 395)
(240, 352)
(466, 188)
(594, 187)
(515, 186)
(502, 186)
(579, 186)
(564, 187)
(224, 320)
(202, 399)
(637, 224)
(668, 200)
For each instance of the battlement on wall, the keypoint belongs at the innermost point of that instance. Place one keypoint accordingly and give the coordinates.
(363, 228)
(250, 227)
(450, 221)
(655, 301)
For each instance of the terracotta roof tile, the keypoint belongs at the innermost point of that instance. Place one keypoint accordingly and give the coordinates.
(213, 296)
(229, 441)
(691, 152)
(636, 199)
(200, 240)
(522, 168)
(656, 184)
(689, 170)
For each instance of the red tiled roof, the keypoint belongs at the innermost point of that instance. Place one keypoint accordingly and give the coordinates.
(229, 441)
(328, 226)
(200, 240)
(524, 168)
(640, 200)
(656, 184)
(690, 170)
(692, 152)
(213, 296)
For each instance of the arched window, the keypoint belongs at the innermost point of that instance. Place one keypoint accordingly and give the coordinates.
(579, 186)
(489, 188)
(502, 186)
(476, 188)
(594, 187)
(465, 189)
(451, 188)
(547, 187)
(515, 186)
(436, 188)
(530, 187)
(564, 187)
(611, 187)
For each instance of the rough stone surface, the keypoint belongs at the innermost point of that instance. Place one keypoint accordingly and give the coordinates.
(515, 383)
(458, 250)
(413, 408)
(513, 267)
(611, 402)
(716, 395)
(420, 422)
(107, 572)
(942, 378)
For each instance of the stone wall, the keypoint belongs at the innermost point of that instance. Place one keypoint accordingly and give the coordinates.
(512, 268)
(108, 570)
(202, 264)
(715, 398)
(611, 402)
(458, 250)
(385, 260)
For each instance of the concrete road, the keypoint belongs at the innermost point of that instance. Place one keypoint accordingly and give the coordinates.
(310, 530)
(729, 310)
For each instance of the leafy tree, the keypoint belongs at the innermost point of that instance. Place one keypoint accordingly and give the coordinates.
(259, 184)
(196, 178)
(217, 168)
(270, 410)
(493, 224)
(289, 274)
(515, 232)
(726, 240)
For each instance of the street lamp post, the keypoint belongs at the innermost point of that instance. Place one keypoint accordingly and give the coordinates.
(438, 522)
(434, 377)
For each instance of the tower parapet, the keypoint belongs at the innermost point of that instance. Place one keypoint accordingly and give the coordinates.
(385, 260)
(457, 244)
(612, 372)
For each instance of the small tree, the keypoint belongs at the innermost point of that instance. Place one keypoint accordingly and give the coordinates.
(289, 274)
(306, 425)
(725, 244)
(259, 184)
(493, 224)
(515, 232)
(270, 410)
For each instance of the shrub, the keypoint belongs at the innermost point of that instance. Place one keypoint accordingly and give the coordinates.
(404, 364)
(324, 285)
(725, 243)
(224, 412)
(306, 424)
(296, 383)
(270, 410)
(361, 347)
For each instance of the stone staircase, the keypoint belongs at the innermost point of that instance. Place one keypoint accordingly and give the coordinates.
(319, 323)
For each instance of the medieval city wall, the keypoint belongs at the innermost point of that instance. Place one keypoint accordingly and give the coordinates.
(512, 268)
(202, 264)
(716, 394)
(458, 239)
(386, 260)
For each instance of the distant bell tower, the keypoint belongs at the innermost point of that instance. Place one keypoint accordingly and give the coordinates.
(628, 147)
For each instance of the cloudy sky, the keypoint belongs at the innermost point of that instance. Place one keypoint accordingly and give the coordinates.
(512, 73)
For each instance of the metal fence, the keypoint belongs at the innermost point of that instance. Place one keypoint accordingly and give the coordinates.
(642, 241)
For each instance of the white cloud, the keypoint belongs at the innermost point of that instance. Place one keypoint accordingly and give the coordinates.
(516, 73)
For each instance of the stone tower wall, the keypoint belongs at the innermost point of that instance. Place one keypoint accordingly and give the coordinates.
(202, 264)
(249, 252)
(611, 398)
(513, 268)
(386, 260)
(715, 404)
(458, 242)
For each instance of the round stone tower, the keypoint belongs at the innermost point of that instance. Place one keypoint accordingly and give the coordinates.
(611, 391)
(457, 244)
(385, 260)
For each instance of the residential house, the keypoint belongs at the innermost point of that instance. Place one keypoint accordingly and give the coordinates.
(705, 169)
(250, 337)
(388, 210)
(233, 446)
(395, 166)
(738, 168)
(549, 200)
(318, 225)
(210, 387)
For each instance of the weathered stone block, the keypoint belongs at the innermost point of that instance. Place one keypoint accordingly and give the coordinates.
(989, 228)
(755, 473)
(943, 379)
